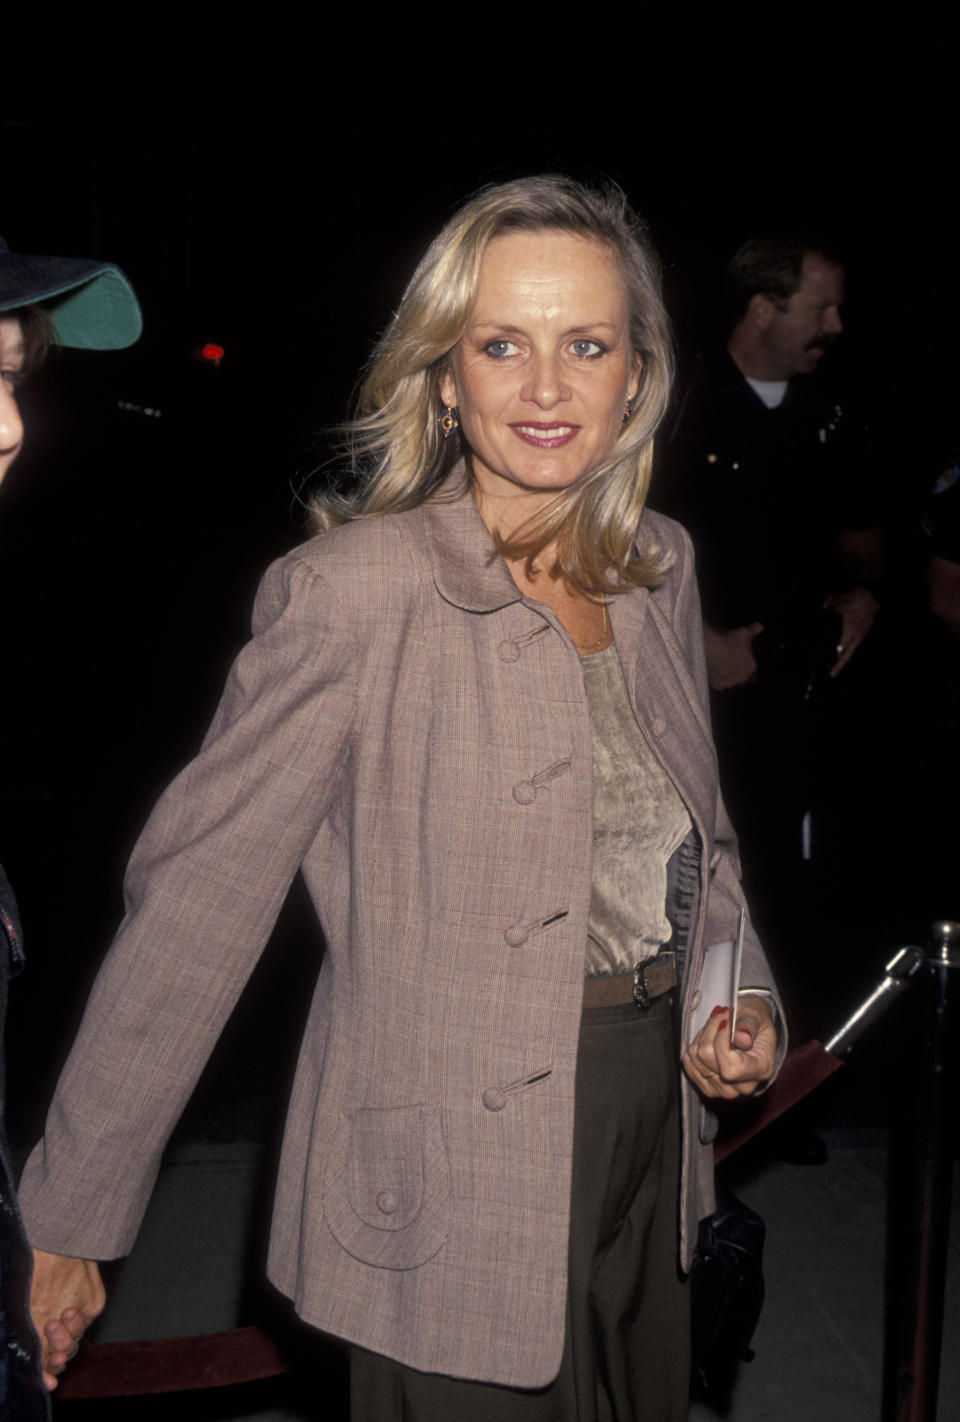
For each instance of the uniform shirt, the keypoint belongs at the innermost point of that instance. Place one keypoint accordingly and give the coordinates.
(765, 493)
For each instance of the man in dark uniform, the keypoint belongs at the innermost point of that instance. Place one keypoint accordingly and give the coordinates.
(943, 527)
(767, 471)
(939, 677)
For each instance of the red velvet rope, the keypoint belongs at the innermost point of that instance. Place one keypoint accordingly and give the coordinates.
(158, 1365)
(803, 1070)
(248, 1354)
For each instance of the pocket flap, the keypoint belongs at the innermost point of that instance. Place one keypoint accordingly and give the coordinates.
(385, 1169)
(386, 1189)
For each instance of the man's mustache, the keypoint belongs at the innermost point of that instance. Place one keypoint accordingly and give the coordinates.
(823, 342)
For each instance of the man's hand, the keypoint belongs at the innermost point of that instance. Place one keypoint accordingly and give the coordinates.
(858, 609)
(727, 1063)
(730, 659)
(66, 1296)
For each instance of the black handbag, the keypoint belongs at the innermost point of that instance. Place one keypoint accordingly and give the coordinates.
(726, 1282)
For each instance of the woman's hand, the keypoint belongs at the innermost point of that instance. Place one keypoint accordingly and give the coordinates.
(66, 1296)
(721, 1068)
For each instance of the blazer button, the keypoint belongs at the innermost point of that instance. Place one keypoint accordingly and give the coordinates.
(517, 934)
(386, 1202)
(494, 1098)
(508, 651)
(658, 725)
(524, 792)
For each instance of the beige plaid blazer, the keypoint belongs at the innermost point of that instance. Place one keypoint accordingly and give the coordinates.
(413, 733)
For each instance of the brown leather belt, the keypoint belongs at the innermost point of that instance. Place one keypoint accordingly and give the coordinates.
(647, 981)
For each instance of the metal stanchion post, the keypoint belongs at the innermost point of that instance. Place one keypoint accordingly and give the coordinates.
(921, 1238)
(901, 970)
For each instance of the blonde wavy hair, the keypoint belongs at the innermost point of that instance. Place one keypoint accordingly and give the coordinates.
(395, 441)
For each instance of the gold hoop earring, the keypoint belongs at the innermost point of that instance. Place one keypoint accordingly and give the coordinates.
(448, 421)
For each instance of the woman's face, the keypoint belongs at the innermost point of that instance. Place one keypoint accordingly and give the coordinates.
(544, 368)
(11, 364)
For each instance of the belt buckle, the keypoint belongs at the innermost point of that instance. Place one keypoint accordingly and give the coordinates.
(641, 993)
(665, 960)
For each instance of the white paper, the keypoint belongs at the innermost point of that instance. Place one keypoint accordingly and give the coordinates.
(720, 979)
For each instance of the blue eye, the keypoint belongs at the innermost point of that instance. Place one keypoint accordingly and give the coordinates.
(500, 349)
(588, 350)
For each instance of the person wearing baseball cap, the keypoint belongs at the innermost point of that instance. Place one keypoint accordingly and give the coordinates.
(73, 301)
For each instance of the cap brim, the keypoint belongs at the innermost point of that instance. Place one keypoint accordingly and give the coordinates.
(92, 304)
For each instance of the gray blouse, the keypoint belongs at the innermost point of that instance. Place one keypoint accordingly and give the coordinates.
(638, 822)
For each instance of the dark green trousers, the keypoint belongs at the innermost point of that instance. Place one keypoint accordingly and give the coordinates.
(627, 1351)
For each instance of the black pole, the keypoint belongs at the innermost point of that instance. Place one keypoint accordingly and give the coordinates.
(921, 1178)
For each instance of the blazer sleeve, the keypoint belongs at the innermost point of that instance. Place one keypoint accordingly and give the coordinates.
(725, 895)
(203, 890)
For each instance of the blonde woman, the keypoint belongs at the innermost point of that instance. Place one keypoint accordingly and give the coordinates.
(473, 714)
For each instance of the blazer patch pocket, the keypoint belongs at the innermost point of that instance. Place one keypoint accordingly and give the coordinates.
(386, 1190)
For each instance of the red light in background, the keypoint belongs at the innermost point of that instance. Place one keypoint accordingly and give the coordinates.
(213, 352)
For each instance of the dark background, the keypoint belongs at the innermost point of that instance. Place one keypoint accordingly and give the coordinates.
(268, 184)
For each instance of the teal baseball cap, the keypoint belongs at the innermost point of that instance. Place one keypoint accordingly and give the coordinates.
(91, 303)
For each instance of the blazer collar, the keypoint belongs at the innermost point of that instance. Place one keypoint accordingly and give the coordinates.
(466, 570)
(666, 700)
(628, 613)
(468, 573)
